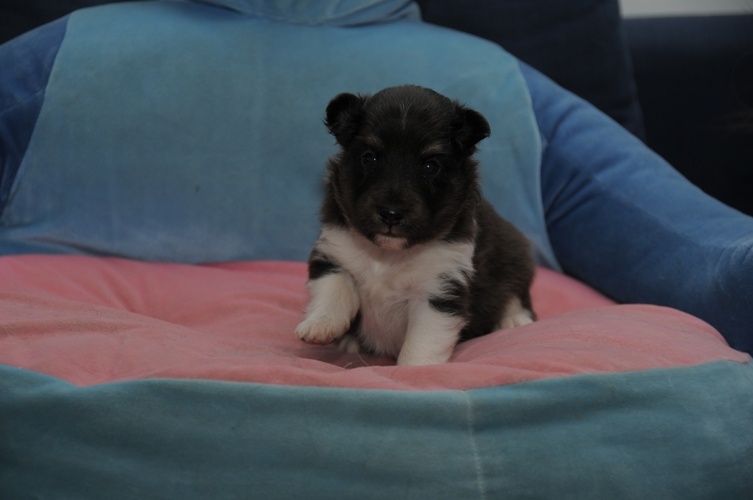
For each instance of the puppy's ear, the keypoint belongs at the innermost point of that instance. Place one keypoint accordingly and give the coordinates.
(344, 116)
(470, 128)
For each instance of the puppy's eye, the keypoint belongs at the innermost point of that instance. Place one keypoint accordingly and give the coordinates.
(369, 160)
(432, 168)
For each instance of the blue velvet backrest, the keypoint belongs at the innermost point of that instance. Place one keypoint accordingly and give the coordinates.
(190, 132)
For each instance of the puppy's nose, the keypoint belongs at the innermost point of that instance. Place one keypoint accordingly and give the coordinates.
(391, 216)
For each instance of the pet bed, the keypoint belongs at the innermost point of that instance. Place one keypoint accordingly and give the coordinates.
(159, 195)
(154, 380)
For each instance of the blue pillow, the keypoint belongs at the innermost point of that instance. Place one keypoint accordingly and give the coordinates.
(191, 133)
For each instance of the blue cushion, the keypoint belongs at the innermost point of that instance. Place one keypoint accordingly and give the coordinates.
(189, 133)
(623, 220)
(21, 95)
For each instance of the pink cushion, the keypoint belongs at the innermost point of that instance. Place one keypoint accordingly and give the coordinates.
(90, 320)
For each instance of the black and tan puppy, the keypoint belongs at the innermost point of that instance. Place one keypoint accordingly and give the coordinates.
(411, 259)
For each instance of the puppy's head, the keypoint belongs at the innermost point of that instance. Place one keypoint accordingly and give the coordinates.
(405, 174)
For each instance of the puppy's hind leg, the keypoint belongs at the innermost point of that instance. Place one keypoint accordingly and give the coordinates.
(515, 314)
(333, 305)
(349, 343)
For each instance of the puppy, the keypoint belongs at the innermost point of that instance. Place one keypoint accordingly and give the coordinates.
(411, 259)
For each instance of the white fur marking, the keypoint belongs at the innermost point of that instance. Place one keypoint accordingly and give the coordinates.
(515, 314)
(348, 343)
(431, 336)
(334, 303)
(390, 283)
(390, 242)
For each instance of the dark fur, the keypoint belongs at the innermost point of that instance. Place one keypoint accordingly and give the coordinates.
(406, 170)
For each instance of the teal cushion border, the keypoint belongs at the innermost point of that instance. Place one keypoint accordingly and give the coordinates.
(670, 433)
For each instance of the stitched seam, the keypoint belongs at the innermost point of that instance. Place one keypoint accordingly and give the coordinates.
(470, 419)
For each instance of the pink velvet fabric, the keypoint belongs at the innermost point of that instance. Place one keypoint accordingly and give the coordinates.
(90, 320)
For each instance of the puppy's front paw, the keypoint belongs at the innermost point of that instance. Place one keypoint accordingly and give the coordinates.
(321, 330)
(334, 303)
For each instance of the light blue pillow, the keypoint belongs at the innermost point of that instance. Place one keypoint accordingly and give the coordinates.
(178, 131)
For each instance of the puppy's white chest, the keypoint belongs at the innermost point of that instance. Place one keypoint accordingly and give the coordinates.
(387, 292)
(393, 283)
(385, 280)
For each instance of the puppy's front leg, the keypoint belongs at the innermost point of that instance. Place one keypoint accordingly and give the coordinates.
(333, 305)
(431, 335)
